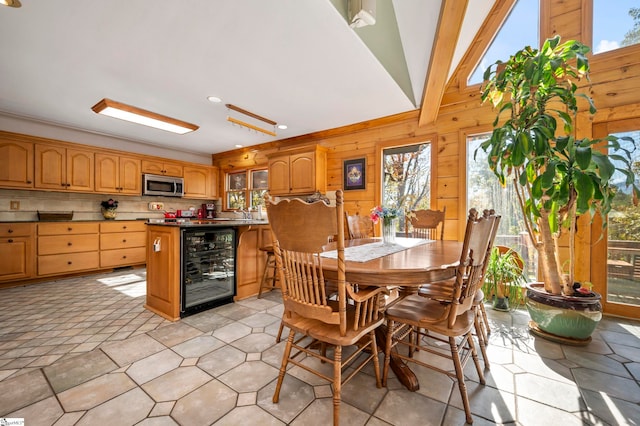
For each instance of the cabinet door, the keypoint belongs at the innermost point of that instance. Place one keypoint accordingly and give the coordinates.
(16, 258)
(172, 169)
(152, 167)
(197, 182)
(16, 164)
(302, 173)
(107, 173)
(214, 182)
(50, 171)
(130, 176)
(279, 175)
(80, 176)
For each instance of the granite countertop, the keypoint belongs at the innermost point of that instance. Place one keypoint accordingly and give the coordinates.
(220, 222)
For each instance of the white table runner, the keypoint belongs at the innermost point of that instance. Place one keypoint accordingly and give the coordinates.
(367, 252)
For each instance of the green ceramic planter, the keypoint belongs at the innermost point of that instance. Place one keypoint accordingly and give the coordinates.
(563, 316)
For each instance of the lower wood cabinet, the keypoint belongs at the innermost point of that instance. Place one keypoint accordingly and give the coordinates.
(122, 243)
(163, 271)
(68, 247)
(17, 251)
(250, 260)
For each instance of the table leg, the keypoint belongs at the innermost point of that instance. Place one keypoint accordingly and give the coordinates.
(401, 369)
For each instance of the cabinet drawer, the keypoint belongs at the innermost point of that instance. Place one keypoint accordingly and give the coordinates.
(123, 226)
(128, 256)
(66, 263)
(16, 229)
(68, 228)
(58, 244)
(123, 240)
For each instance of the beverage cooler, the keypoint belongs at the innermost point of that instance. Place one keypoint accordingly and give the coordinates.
(208, 269)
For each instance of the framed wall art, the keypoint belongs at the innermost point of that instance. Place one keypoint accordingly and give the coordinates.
(354, 174)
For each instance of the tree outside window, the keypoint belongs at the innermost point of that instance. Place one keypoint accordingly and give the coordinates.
(246, 189)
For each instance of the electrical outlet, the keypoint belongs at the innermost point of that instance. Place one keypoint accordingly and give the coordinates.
(156, 206)
(14, 205)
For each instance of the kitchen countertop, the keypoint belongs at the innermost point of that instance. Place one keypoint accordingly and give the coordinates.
(220, 222)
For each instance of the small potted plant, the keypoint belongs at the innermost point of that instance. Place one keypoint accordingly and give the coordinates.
(109, 208)
(504, 280)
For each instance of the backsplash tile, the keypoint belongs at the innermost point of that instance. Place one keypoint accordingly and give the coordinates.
(84, 206)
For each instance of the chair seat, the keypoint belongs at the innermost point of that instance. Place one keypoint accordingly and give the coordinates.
(420, 312)
(329, 333)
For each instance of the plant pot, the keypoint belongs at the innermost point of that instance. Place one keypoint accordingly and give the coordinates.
(565, 319)
(500, 304)
(109, 214)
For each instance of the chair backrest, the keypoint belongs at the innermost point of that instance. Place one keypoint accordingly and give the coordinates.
(300, 231)
(359, 226)
(478, 242)
(426, 224)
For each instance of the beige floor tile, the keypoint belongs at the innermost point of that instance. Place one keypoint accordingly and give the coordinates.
(189, 409)
(95, 392)
(154, 366)
(126, 409)
(133, 349)
(175, 334)
(77, 370)
(23, 390)
(176, 383)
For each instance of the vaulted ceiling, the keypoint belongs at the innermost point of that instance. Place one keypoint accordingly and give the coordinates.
(294, 62)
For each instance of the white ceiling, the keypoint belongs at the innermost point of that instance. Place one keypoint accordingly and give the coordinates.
(294, 62)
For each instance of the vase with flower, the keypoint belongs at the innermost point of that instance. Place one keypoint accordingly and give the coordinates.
(109, 209)
(389, 218)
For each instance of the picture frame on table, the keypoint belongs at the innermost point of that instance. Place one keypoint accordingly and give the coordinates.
(354, 174)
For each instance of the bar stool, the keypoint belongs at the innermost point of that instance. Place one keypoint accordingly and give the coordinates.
(268, 280)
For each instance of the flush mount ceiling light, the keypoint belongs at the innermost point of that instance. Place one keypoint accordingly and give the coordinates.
(141, 116)
(252, 116)
(11, 3)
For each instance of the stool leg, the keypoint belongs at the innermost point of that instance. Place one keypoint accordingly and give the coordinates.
(271, 262)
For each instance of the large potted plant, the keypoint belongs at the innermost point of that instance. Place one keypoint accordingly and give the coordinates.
(557, 176)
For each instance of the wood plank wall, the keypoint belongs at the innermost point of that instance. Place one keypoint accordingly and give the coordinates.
(615, 79)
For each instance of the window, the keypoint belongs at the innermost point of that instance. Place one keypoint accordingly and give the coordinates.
(246, 189)
(519, 29)
(484, 191)
(615, 24)
(407, 178)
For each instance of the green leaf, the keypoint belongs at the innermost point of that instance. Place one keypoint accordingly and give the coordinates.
(583, 157)
(585, 189)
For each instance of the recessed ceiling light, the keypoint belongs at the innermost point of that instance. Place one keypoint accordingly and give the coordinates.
(214, 99)
(140, 116)
(282, 126)
(11, 3)
(239, 146)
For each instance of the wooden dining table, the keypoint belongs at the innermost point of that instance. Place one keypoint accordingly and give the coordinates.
(407, 268)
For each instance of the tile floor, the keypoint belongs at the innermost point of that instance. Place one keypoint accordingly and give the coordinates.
(84, 351)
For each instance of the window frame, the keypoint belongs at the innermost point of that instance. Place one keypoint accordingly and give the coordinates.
(247, 190)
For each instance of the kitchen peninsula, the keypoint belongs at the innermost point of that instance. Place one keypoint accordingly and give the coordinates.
(211, 262)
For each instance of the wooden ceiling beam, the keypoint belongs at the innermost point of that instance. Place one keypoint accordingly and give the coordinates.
(449, 25)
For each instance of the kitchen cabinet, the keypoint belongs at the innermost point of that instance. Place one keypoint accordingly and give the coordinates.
(16, 163)
(200, 182)
(162, 168)
(67, 247)
(61, 168)
(17, 252)
(163, 271)
(117, 174)
(122, 243)
(250, 260)
(298, 172)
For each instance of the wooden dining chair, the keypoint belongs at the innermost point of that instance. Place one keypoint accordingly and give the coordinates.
(425, 224)
(350, 320)
(359, 226)
(443, 321)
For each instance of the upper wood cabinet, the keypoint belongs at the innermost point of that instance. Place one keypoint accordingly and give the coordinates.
(200, 182)
(16, 163)
(298, 172)
(63, 169)
(162, 168)
(118, 175)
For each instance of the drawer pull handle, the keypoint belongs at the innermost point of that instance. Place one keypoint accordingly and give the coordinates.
(124, 227)
(124, 241)
(69, 263)
(124, 257)
(10, 240)
(10, 231)
(69, 244)
(69, 229)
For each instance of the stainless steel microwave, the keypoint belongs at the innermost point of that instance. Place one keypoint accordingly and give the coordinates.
(168, 186)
